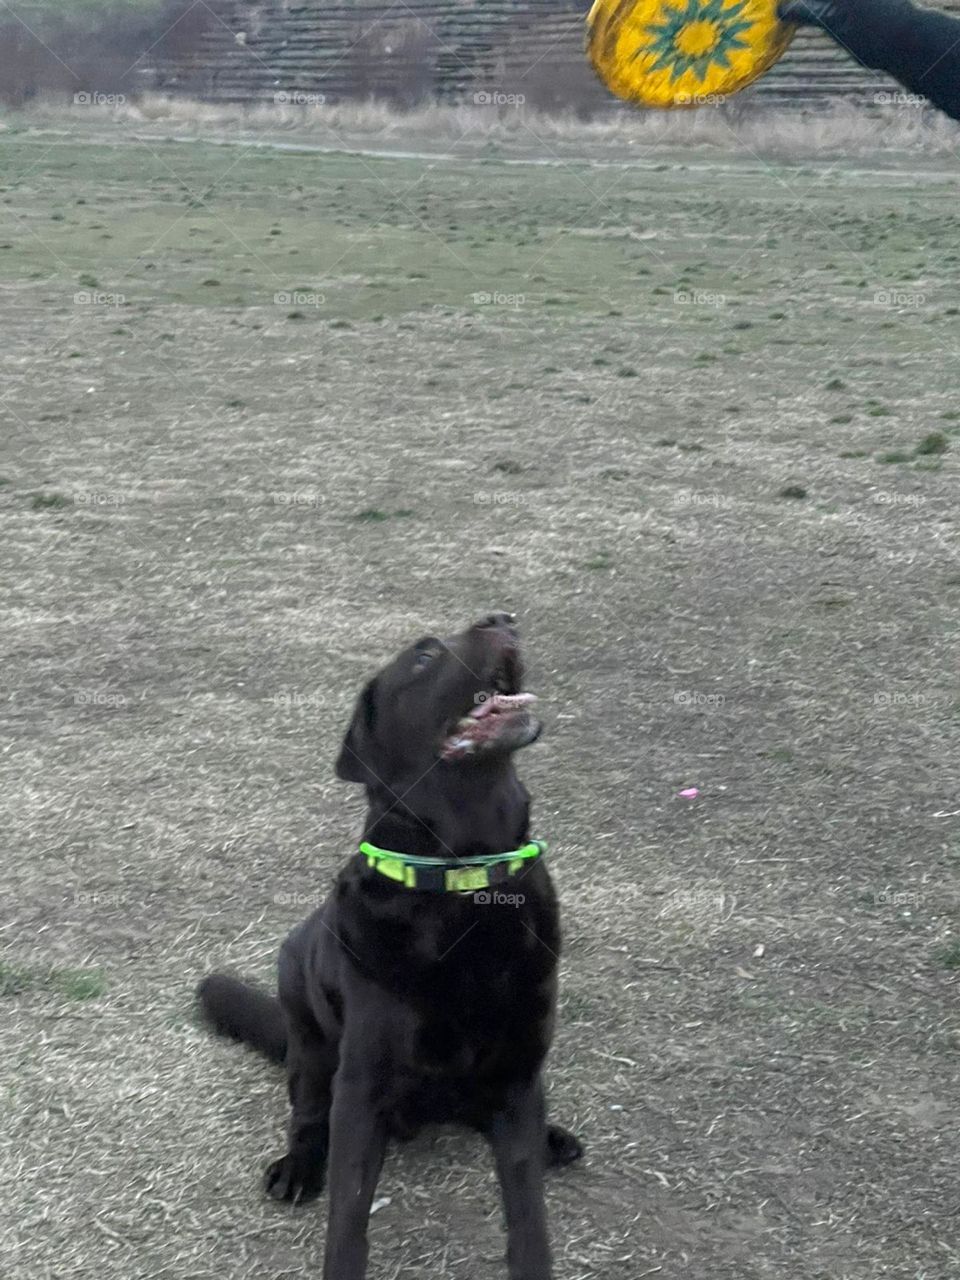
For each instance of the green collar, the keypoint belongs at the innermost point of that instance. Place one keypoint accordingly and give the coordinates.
(453, 875)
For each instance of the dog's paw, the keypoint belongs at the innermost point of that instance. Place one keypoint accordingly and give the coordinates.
(562, 1147)
(293, 1179)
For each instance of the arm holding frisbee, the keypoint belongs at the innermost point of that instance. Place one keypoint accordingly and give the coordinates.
(919, 47)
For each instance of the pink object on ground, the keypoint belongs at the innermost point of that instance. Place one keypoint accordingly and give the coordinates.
(690, 793)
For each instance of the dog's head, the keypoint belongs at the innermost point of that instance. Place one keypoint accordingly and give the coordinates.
(457, 702)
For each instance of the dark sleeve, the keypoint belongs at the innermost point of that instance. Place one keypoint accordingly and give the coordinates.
(918, 47)
(925, 58)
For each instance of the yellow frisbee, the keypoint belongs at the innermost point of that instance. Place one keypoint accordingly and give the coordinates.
(683, 53)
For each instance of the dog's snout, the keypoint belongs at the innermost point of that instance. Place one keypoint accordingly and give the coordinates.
(498, 620)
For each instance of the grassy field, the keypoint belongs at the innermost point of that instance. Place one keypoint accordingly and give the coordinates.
(267, 415)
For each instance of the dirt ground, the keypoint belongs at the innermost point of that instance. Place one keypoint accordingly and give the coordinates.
(269, 414)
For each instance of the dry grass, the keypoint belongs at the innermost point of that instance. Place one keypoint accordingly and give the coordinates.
(758, 1035)
(839, 127)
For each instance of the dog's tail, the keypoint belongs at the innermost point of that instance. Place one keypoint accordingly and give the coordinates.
(244, 1013)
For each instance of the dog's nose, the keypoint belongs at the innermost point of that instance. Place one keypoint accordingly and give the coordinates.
(498, 620)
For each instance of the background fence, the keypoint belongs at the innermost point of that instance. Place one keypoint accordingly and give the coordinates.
(447, 49)
(404, 51)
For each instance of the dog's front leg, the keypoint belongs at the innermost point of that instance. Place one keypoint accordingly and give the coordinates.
(311, 1062)
(518, 1136)
(358, 1141)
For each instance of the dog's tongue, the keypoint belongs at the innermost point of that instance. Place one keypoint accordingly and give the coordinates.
(501, 702)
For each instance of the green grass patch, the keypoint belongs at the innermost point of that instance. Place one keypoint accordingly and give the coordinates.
(49, 501)
(934, 443)
(79, 984)
(71, 984)
(948, 957)
(373, 515)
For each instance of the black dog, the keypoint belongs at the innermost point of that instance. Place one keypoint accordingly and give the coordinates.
(424, 989)
(918, 47)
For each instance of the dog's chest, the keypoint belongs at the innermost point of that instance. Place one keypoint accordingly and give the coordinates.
(472, 985)
(470, 956)
(459, 1057)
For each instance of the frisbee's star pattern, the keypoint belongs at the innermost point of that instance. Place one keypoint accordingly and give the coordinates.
(696, 37)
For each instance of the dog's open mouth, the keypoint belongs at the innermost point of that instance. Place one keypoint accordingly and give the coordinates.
(496, 720)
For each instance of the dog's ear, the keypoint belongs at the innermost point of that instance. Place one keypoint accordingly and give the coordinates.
(357, 748)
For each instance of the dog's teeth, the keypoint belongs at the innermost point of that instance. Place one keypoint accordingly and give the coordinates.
(510, 701)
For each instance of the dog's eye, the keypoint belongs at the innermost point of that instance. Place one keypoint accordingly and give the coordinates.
(424, 658)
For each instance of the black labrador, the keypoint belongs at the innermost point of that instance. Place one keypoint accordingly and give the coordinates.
(424, 989)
